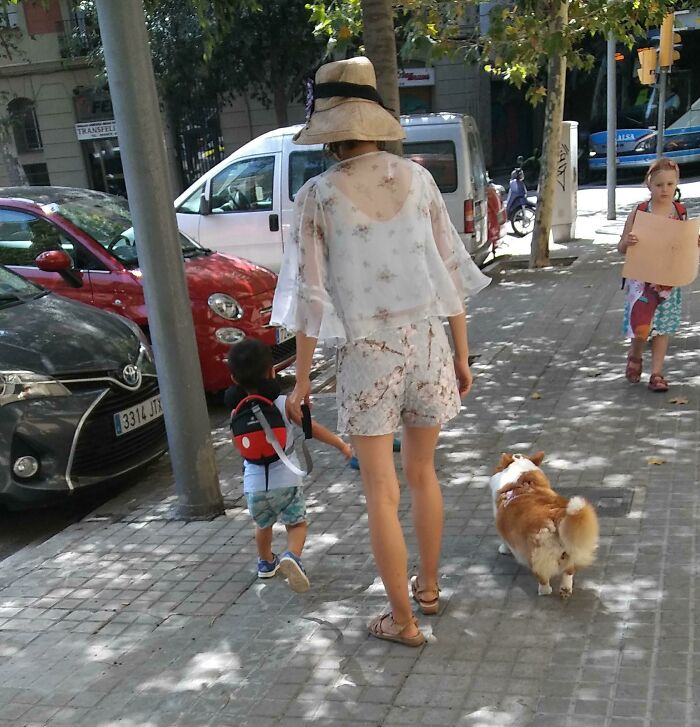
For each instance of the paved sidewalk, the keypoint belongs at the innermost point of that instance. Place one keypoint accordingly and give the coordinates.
(133, 618)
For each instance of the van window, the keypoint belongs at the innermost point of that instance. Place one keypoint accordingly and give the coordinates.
(191, 205)
(306, 164)
(439, 158)
(245, 185)
(476, 156)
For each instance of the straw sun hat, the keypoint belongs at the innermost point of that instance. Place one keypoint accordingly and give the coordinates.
(344, 104)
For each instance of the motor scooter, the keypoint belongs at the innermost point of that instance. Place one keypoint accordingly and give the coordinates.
(520, 210)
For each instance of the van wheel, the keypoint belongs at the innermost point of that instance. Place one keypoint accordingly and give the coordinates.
(523, 220)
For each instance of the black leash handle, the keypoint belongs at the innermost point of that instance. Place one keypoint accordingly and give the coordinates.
(306, 421)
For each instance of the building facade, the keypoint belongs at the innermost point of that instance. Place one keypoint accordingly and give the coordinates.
(57, 123)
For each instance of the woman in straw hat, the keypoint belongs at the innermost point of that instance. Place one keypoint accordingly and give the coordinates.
(374, 263)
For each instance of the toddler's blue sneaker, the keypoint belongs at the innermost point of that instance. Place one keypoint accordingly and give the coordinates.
(268, 568)
(292, 569)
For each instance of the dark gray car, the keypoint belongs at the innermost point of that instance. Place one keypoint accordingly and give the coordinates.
(79, 400)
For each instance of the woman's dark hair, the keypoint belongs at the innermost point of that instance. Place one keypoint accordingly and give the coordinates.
(333, 148)
(249, 362)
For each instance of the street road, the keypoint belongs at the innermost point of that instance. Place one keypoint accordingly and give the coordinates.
(30, 527)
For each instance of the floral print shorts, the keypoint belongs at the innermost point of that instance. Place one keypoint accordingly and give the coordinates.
(396, 375)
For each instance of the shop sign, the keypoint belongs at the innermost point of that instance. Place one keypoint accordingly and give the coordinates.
(96, 130)
(92, 105)
(416, 77)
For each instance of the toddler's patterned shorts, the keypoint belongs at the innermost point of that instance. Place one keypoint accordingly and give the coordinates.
(287, 505)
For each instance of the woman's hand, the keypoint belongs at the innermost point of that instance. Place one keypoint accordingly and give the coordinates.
(464, 376)
(300, 395)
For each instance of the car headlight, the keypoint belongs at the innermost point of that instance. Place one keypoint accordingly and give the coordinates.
(21, 385)
(225, 306)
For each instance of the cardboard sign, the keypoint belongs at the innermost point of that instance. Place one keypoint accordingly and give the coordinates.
(667, 252)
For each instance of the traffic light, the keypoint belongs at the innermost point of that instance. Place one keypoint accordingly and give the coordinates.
(647, 66)
(667, 40)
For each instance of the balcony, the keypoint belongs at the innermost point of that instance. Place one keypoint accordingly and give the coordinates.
(77, 37)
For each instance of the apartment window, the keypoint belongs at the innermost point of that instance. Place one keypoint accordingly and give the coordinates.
(25, 126)
(37, 174)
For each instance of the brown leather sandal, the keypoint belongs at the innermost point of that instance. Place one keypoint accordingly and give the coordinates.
(427, 598)
(633, 372)
(377, 629)
(657, 383)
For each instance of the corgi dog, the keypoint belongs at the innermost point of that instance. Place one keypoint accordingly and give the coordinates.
(549, 534)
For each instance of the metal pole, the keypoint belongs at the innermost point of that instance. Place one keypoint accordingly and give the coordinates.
(611, 154)
(141, 140)
(663, 76)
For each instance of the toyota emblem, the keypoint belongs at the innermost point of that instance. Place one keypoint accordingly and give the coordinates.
(131, 375)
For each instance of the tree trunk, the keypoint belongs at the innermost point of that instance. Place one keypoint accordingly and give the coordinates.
(553, 117)
(280, 103)
(16, 176)
(380, 44)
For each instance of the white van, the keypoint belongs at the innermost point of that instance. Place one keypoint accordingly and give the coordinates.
(243, 205)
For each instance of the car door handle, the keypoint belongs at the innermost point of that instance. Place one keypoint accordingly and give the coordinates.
(274, 222)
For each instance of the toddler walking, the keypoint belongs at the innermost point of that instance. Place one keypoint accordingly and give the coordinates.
(652, 311)
(273, 491)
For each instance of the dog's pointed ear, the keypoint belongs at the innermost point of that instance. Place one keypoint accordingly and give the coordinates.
(537, 458)
(506, 459)
(503, 462)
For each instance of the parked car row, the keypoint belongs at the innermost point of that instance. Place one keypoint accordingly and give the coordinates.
(80, 243)
(79, 400)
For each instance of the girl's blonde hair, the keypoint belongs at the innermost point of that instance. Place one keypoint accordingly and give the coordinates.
(661, 164)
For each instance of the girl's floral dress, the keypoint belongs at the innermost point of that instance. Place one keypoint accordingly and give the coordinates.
(667, 314)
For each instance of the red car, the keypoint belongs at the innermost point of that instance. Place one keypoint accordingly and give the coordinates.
(80, 243)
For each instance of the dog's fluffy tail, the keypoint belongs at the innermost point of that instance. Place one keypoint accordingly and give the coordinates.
(578, 531)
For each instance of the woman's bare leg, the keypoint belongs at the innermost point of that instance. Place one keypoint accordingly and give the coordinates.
(418, 456)
(381, 488)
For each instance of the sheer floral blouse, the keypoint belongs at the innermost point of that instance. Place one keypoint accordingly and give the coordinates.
(372, 247)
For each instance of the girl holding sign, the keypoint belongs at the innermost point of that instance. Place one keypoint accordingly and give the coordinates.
(652, 310)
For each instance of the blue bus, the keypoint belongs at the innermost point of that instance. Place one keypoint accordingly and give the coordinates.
(636, 148)
(637, 107)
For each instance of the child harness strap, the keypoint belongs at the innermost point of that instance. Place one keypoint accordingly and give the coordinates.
(260, 433)
(681, 211)
(273, 441)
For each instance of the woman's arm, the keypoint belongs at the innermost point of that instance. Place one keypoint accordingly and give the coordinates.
(306, 345)
(460, 340)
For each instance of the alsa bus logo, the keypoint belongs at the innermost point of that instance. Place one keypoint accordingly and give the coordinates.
(626, 136)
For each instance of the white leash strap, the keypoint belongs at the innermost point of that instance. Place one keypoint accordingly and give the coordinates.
(274, 442)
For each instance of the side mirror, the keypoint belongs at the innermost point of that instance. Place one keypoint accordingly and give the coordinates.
(58, 261)
(54, 261)
(204, 205)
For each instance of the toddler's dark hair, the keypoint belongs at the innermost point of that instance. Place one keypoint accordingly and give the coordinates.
(249, 361)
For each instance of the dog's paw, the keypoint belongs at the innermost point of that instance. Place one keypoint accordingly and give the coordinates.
(565, 593)
(503, 549)
(544, 589)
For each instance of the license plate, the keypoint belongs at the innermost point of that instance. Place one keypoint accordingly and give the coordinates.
(283, 335)
(136, 416)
